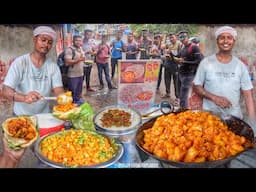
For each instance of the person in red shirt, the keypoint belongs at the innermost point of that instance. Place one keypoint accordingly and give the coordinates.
(102, 61)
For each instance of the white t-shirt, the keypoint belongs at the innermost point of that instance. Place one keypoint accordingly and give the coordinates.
(24, 77)
(223, 80)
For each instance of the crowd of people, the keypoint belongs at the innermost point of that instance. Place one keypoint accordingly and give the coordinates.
(219, 78)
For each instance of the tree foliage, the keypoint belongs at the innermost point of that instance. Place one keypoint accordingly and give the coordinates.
(165, 28)
(80, 27)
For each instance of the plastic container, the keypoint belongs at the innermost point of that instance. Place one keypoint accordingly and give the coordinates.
(48, 124)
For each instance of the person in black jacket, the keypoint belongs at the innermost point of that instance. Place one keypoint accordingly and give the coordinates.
(171, 67)
(188, 63)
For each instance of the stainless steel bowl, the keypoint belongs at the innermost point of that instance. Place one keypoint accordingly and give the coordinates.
(235, 124)
(118, 131)
(44, 159)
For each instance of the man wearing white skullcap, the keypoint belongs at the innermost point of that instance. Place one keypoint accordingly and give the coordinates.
(221, 78)
(226, 29)
(46, 31)
(34, 76)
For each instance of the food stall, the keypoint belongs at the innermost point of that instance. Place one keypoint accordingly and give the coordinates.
(131, 154)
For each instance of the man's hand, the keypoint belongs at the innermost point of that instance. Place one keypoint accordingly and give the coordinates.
(10, 158)
(32, 96)
(180, 60)
(222, 102)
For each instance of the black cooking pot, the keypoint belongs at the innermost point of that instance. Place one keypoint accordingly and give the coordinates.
(235, 124)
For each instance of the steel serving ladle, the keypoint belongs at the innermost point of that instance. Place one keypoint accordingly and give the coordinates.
(62, 99)
(165, 106)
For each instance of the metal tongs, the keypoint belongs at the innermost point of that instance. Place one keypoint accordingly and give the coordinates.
(165, 106)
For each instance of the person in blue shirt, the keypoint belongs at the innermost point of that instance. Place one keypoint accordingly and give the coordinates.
(117, 46)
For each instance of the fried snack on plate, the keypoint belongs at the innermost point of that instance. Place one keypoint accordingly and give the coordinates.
(65, 112)
(20, 132)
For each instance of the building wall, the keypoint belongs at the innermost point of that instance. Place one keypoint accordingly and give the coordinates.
(15, 41)
(245, 45)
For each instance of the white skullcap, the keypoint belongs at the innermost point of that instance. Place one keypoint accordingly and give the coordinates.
(46, 31)
(226, 29)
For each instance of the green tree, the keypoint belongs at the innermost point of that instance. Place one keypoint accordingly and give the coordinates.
(165, 28)
(80, 27)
